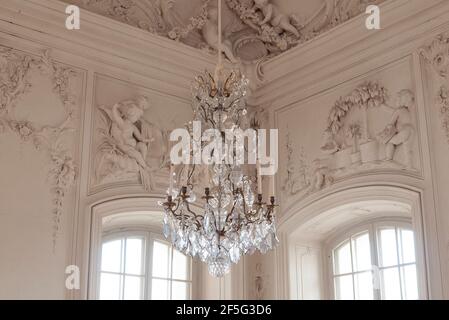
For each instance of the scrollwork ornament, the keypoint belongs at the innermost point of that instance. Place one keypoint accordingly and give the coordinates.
(437, 56)
(15, 69)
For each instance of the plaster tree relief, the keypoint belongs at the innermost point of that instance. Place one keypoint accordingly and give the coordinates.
(352, 146)
(358, 149)
(297, 173)
(15, 82)
(254, 29)
(125, 149)
(437, 55)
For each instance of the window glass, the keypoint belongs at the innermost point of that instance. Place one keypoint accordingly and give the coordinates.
(388, 248)
(180, 290)
(363, 286)
(392, 273)
(344, 288)
(343, 259)
(111, 254)
(391, 289)
(161, 254)
(124, 274)
(361, 252)
(160, 289)
(109, 286)
(180, 266)
(134, 256)
(407, 246)
(133, 288)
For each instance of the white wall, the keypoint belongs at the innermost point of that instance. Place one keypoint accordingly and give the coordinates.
(114, 62)
(302, 86)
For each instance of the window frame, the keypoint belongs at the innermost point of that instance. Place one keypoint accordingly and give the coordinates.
(373, 227)
(119, 235)
(149, 237)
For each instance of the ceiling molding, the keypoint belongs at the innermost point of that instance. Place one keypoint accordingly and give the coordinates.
(405, 26)
(105, 42)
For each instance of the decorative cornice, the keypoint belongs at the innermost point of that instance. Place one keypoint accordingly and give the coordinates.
(167, 65)
(317, 64)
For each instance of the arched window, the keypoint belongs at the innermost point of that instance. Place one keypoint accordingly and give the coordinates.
(376, 261)
(140, 265)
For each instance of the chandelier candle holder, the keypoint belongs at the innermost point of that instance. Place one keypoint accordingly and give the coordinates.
(231, 219)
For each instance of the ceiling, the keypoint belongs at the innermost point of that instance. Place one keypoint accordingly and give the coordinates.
(249, 40)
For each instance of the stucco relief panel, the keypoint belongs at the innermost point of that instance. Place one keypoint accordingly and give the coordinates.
(365, 126)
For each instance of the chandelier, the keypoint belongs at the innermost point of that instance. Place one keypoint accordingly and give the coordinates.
(231, 219)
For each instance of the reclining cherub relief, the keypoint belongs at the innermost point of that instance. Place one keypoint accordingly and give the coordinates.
(126, 142)
(272, 15)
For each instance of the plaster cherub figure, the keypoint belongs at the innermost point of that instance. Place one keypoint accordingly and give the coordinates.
(400, 130)
(321, 175)
(128, 133)
(275, 17)
(210, 35)
(124, 130)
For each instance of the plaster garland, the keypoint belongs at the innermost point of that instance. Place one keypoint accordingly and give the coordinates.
(437, 56)
(15, 69)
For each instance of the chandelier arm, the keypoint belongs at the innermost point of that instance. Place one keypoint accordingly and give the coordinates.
(205, 116)
(170, 204)
(230, 213)
(231, 104)
(190, 175)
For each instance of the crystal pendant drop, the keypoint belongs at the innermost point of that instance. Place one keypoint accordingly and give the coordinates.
(218, 268)
(166, 227)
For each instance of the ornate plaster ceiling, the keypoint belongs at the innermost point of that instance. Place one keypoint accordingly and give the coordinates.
(249, 32)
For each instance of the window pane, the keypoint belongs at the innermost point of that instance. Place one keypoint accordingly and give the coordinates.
(407, 246)
(161, 267)
(180, 266)
(391, 289)
(343, 259)
(361, 252)
(180, 290)
(388, 250)
(343, 288)
(410, 283)
(364, 286)
(133, 262)
(160, 289)
(109, 286)
(133, 288)
(111, 256)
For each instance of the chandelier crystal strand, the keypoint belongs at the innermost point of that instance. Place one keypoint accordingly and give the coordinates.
(234, 221)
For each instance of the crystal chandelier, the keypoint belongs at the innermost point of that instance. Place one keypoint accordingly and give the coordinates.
(229, 220)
